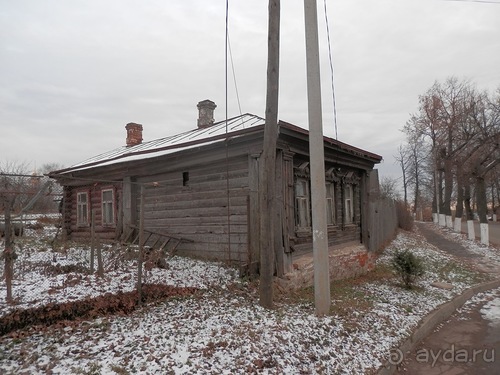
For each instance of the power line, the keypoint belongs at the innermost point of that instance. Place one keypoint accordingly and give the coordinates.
(477, 1)
(234, 76)
(331, 72)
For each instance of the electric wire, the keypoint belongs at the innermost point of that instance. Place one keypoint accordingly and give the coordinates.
(477, 1)
(234, 79)
(331, 72)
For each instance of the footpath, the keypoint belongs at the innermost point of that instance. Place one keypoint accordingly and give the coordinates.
(451, 340)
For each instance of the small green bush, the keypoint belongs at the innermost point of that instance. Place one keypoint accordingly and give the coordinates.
(407, 266)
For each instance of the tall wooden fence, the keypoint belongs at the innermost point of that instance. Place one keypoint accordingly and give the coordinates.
(384, 223)
(383, 219)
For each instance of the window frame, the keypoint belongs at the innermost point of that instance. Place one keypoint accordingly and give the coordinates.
(303, 220)
(108, 208)
(331, 217)
(349, 204)
(82, 209)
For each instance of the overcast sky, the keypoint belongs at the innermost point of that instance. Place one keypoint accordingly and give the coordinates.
(74, 73)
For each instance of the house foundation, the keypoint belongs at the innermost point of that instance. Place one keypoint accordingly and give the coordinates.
(344, 262)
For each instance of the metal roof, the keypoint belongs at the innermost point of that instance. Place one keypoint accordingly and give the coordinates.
(162, 146)
(234, 127)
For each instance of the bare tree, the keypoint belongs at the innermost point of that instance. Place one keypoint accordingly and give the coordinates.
(389, 188)
(403, 159)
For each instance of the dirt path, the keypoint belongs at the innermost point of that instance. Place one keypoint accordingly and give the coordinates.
(433, 235)
(467, 343)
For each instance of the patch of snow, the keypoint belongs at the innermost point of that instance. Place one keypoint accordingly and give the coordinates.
(219, 331)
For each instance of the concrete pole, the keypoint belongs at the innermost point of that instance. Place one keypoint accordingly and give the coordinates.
(317, 161)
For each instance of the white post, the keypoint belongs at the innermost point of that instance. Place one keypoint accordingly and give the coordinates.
(458, 225)
(317, 159)
(470, 230)
(442, 220)
(449, 221)
(485, 234)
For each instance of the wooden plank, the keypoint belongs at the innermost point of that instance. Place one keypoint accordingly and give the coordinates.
(151, 232)
(237, 238)
(220, 201)
(253, 257)
(278, 216)
(195, 212)
(197, 221)
(200, 229)
(189, 195)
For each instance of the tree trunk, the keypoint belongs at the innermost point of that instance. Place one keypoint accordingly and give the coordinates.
(416, 200)
(481, 199)
(459, 211)
(467, 200)
(448, 187)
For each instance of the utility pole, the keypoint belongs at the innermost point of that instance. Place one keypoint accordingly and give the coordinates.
(267, 164)
(317, 161)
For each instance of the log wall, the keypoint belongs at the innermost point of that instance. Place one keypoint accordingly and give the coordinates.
(82, 232)
(195, 204)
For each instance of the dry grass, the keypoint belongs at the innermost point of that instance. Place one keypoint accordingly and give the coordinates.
(345, 295)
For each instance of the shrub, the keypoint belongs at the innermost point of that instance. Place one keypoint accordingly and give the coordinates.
(407, 266)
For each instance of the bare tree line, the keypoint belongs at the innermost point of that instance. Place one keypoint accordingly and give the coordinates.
(452, 152)
(19, 186)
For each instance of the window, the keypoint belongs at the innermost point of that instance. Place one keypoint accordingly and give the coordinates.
(302, 206)
(82, 208)
(330, 203)
(185, 178)
(108, 207)
(348, 205)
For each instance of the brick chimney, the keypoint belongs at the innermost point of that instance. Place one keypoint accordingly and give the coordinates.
(206, 113)
(134, 134)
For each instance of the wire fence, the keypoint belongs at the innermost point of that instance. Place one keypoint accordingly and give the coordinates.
(46, 269)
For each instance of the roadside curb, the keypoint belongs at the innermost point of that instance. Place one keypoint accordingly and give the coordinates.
(431, 321)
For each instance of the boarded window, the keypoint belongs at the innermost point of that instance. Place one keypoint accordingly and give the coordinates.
(330, 203)
(108, 207)
(82, 208)
(348, 204)
(302, 205)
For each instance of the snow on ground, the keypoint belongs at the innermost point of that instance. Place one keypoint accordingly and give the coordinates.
(39, 279)
(224, 330)
(490, 254)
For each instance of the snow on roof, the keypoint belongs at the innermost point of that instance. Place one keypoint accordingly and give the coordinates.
(183, 141)
(217, 132)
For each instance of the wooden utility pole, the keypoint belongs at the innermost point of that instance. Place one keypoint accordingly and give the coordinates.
(141, 246)
(317, 161)
(8, 253)
(268, 160)
(92, 240)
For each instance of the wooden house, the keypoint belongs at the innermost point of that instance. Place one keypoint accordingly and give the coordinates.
(202, 186)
